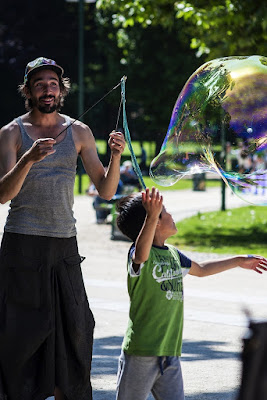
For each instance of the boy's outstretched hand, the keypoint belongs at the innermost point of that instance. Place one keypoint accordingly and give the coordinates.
(255, 263)
(152, 202)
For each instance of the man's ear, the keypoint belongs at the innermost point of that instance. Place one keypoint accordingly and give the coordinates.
(27, 92)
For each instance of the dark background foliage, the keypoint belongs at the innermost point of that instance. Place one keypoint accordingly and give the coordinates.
(157, 45)
(159, 61)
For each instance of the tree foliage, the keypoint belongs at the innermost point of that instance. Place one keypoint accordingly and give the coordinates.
(217, 28)
(28, 30)
(149, 41)
(231, 27)
(157, 61)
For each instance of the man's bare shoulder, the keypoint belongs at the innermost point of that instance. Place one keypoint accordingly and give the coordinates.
(10, 132)
(81, 131)
(79, 126)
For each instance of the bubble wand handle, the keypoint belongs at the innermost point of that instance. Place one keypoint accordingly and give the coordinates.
(128, 136)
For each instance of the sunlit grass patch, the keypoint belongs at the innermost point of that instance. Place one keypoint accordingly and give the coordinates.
(236, 231)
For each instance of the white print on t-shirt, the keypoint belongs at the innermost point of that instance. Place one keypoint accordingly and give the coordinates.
(160, 275)
(169, 275)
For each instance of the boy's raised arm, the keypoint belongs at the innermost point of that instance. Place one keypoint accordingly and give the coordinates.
(152, 203)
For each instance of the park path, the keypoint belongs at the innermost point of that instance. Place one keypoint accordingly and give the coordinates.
(215, 322)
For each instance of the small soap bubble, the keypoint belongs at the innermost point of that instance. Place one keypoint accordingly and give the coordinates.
(219, 125)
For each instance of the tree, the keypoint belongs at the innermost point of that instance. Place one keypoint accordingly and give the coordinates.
(157, 61)
(217, 28)
(231, 27)
(28, 30)
(50, 29)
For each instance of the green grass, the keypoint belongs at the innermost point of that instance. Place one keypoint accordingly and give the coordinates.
(236, 231)
(84, 184)
(180, 185)
(150, 148)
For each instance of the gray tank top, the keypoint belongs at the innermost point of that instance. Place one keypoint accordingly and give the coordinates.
(44, 205)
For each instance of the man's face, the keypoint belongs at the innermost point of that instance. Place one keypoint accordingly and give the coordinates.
(44, 91)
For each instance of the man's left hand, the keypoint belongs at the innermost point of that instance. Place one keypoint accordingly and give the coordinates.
(116, 143)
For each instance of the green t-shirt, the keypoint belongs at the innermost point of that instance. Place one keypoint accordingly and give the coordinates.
(155, 324)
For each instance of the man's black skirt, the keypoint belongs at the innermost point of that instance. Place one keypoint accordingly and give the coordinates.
(46, 325)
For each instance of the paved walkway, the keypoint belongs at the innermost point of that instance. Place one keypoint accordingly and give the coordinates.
(214, 307)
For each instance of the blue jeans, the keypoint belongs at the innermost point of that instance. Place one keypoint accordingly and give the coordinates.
(138, 376)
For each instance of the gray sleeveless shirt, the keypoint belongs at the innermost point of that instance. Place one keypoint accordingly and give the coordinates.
(44, 205)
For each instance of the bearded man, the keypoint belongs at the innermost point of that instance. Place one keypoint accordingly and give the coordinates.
(46, 325)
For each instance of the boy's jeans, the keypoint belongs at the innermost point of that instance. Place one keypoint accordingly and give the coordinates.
(138, 376)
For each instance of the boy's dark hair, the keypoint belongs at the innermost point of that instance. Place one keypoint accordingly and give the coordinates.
(131, 216)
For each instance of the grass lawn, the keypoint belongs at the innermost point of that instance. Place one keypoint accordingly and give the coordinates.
(236, 231)
(180, 185)
(150, 148)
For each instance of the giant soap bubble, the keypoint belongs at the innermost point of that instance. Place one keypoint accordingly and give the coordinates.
(219, 124)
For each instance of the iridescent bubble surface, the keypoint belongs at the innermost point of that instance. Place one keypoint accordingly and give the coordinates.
(219, 124)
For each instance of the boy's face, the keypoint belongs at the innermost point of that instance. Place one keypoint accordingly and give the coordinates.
(167, 224)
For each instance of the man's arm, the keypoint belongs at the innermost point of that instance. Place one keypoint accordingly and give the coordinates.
(13, 172)
(254, 263)
(105, 181)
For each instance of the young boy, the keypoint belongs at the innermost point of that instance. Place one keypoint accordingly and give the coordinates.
(149, 361)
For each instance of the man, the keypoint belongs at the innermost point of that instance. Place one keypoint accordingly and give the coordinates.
(46, 325)
(128, 176)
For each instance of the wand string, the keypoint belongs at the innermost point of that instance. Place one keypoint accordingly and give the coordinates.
(118, 117)
(128, 136)
(89, 108)
(125, 125)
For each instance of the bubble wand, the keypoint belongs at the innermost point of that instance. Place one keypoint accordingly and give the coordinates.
(125, 125)
(127, 134)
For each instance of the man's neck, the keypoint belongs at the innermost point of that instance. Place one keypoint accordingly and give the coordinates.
(40, 125)
(39, 119)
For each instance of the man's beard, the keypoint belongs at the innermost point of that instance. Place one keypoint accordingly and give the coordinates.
(47, 109)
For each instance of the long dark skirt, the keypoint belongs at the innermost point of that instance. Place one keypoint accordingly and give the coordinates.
(46, 325)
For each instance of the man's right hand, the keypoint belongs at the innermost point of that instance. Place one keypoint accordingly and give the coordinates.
(13, 173)
(40, 149)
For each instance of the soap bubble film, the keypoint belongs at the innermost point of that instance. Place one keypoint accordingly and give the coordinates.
(219, 124)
